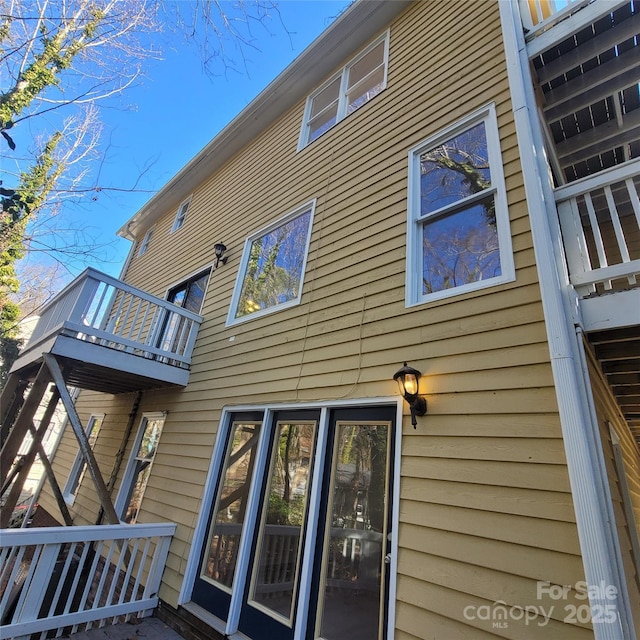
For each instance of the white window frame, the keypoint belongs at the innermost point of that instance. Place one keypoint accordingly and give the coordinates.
(128, 477)
(231, 319)
(343, 74)
(144, 243)
(415, 221)
(76, 475)
(181, 215)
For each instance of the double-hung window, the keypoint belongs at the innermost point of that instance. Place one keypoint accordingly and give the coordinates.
(144, 243)
(138, 470)
(355, 84)
(80, 466)
(458, 229)
(272, 268)
(181, 215)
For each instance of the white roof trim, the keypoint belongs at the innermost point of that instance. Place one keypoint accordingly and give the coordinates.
(358, 24)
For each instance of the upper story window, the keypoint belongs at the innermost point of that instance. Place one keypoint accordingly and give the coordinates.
(361, 79)
(144, 243)
(272, 267)
(181, 215)
(458, 230)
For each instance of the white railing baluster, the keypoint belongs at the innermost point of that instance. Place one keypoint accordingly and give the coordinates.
(98, 307)
(633, 198)
(597, 236)
(80, 598)
(143, 323)
(134, 320)
(618, 230)
(15, 570)
(612, 206)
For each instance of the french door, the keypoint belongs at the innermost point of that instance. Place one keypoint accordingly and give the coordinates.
(300, 525)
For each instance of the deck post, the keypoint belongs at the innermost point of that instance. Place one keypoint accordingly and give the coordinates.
(27, 463)
(21, 426)
(10, 402)
(83, 442)
(55, 487)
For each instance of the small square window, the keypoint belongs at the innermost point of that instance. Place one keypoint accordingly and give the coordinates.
(144, 243)
(354, 85)
(459, 235)
(272, 268)
(181, 215)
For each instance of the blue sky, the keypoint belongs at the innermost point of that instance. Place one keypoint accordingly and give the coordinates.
(156, 127)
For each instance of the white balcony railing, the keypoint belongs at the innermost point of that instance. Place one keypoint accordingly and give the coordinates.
(102, 310)
(57, 580)
(539, 15)
(600, 222)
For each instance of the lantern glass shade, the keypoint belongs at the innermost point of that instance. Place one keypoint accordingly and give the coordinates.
(410, 384)
(407, 378)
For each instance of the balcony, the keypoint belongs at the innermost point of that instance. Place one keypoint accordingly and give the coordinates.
(111, 337)
(585, 56)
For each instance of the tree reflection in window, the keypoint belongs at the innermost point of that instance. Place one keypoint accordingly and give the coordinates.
(275, 266)
(459, 233)
(219, 563)
(457, 212)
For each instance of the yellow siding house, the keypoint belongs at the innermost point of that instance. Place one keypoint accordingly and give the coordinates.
(372, 367)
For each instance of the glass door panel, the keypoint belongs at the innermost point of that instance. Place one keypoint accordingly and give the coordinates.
(352, 583)
(276, 573)
(220, 553)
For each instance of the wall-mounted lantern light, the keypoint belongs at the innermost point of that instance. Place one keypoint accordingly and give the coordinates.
(220, 249)
(407, 379)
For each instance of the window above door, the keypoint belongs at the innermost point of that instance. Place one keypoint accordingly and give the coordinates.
(273, 266)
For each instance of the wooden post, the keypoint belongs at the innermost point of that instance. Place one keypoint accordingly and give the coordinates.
(55, 487)
(83, 442)
(24, 419)
(16, 489)
(10, 403)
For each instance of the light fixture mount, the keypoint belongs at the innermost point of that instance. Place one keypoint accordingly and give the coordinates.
(219, 249)
(408, 382)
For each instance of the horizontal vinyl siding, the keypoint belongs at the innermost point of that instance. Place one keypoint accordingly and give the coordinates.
(486, 508)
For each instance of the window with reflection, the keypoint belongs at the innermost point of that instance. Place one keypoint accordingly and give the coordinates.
(459, 227)
(354, 85)
(276, 574)
(221, 552)
(79, 468)
(356, 527)
(138, 470)
(273, 264)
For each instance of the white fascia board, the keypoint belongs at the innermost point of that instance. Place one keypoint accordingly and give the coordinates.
(358, 24)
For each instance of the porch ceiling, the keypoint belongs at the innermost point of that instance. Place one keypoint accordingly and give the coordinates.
(589, 94)
(618, 352)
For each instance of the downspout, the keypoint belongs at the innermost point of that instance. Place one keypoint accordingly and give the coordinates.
(123, 445)
(585, 460)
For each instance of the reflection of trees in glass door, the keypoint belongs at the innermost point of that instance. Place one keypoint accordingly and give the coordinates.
(275, 576)
(351, 591)
(212, 589)
(189, 295)
(300, 525)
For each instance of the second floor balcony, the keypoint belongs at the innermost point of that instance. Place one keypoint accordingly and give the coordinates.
(112, 337)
